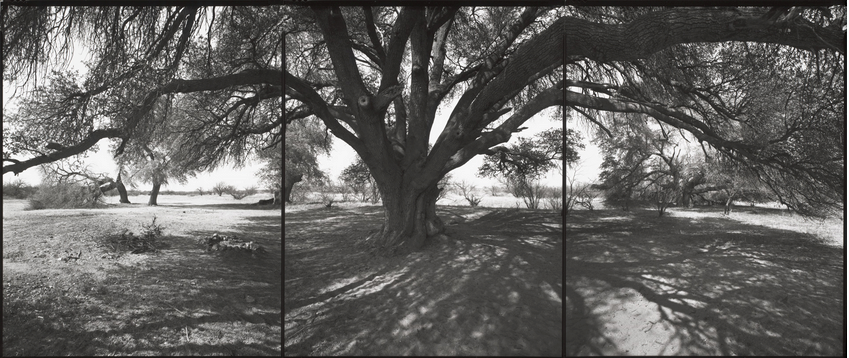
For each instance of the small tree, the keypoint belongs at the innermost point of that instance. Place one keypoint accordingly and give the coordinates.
(18, 189)
(554, 199)
(520, 165)
(467, 190)
(220, 188)
(200, 191)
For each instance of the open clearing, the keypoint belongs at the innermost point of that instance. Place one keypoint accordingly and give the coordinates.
(759, 282)
(182, 300)
(494, 287)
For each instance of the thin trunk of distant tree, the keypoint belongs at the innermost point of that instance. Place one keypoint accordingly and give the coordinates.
(154, 194)
(291, 179)
(122, 190)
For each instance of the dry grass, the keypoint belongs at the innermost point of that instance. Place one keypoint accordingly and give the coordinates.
(179, 301)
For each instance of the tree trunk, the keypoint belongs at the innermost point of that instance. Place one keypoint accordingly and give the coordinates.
(122, 191)
(277, 197)
(154, 194)
(290, 180)
(409, 220)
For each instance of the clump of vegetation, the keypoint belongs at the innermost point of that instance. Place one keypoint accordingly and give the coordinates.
(240, 194)
(222, 188)
(126, 241)
(467, 190)
(65, 196)
(18, 189)
(554, 199)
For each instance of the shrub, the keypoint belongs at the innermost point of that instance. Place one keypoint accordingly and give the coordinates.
(65, 196)
(467, 190)
(239, 194)
(18, 189)
(221, 188)
(554, 199)
(126, 241)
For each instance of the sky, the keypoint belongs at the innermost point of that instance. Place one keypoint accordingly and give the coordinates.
(342, 155)
(587, 168)
(102, 162)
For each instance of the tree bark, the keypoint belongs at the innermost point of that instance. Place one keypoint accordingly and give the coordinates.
(409, 220)
(122, 190)
(154, 194)
(277, 197)
(652, 32)
(290, 180)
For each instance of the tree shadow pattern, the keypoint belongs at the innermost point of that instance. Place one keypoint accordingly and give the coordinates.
(192, 303)
(719, 286)
(491, 288)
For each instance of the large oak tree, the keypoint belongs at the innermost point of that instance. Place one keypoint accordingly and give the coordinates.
(377, 76)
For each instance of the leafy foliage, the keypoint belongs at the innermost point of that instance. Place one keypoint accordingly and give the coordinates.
(774, 104)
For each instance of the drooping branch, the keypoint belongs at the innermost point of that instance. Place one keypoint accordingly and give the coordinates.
(68, 151)
(319, 107)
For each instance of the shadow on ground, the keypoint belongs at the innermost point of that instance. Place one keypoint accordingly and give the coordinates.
(180, 301)
(637, 284)
(493, 288)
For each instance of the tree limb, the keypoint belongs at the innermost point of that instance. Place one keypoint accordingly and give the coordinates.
(658, 30)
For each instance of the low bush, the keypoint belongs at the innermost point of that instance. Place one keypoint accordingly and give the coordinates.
(18, 189)
(126, 241)
(65, 196)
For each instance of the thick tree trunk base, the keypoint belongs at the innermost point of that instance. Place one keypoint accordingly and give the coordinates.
(388, 242)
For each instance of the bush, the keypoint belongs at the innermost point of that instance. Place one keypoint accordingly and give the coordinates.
(531, 192)
(467, 190)
(554, 199)
(18, 189)
(126, 241)
(66, 196)
(239, 194)
(221, 188)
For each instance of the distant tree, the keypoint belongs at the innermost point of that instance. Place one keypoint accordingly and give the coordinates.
(305, 141)
(272, 174)
(220, 188)
(572, 144)
(358, 178)
(520, 165)
(468, 191)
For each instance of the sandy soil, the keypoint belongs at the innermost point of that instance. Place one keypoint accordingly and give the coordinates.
(181, 300)
(491, 286)
(698, 283)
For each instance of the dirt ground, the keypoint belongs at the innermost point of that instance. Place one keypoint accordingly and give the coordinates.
(492, 286)
(182, 300)
(759, 282)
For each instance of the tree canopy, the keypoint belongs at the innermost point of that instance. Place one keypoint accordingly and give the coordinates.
(376, 78)
(219, 68)
(762, 87)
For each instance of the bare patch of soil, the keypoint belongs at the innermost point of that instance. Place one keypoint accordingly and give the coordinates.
(698, 283)
(179, 301)
(491, 286)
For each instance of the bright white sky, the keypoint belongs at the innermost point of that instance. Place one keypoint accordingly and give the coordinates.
(587, 168)
(102, 161)
(342, 155)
